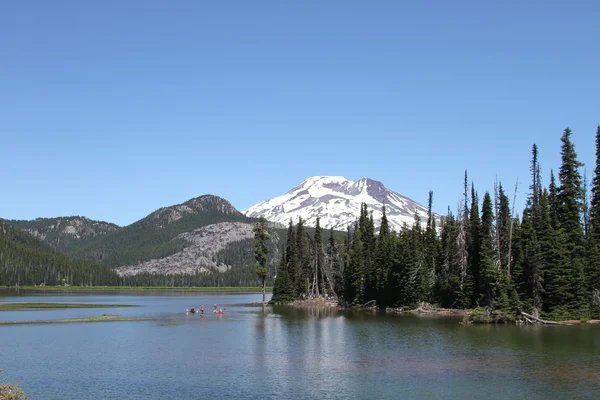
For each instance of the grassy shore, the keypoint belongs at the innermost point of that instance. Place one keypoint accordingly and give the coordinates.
(97, 318)
(221, 289)
(26, 306)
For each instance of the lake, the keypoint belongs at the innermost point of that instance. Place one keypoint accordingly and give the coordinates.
(285, 353)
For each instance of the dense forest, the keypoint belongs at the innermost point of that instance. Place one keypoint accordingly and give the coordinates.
(25, 260)
(239, 277)
(547, 261)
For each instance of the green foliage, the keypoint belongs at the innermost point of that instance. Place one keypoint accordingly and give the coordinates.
(283, 289)
(11, 391)
(486, 316)
(261, 236)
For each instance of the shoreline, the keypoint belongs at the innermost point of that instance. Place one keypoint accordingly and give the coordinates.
(208, 289)
(426, 309)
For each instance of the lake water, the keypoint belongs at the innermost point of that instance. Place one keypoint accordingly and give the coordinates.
(286, 353)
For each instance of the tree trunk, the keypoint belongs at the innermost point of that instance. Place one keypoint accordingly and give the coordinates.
(264, 279)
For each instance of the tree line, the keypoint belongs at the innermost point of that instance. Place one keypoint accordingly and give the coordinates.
(24, 260)
(547, 261)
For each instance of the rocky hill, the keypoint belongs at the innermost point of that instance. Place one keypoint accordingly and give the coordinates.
(65, 233)
(161, 233)
(206, 251)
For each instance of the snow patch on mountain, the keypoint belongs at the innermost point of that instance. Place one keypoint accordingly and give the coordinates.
(337, 201)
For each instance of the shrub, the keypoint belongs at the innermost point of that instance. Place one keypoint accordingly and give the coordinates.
(11, 391)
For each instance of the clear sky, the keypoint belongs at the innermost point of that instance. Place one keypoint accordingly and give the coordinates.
(112, 109)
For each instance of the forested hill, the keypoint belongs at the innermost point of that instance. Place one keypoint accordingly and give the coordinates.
(545, 263)
(25, 260)
(155, 236)
(65, 234)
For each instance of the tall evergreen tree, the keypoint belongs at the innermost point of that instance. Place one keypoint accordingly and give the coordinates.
(448, 280)
(367, 228)
(318, 282)
(291, 256)
(432, 250)
(383, 260)
(570, 195)
(355, 283)
(553, 202)
(283, 288)
(261, 237)
(570, 202)
(489, 273)
(474, 247)
(503, 227)
(302, 260)
(593, 262)
(335, 271)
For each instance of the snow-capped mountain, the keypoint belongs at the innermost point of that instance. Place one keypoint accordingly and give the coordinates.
(337, 201)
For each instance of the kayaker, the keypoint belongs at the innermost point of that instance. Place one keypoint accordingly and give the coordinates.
(202, 309)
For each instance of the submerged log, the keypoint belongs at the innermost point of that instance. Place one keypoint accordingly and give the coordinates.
(541, 321)
(369, 304)
(528, 320)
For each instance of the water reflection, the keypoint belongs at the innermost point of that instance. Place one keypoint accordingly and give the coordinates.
(276, 352)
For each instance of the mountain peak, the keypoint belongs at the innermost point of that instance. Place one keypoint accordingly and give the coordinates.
(205, 204)
(337, 201)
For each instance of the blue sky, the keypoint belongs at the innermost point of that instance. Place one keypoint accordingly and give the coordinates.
(113, 109)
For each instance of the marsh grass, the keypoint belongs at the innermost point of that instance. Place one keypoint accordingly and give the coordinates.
(37, 306)
(97, 318)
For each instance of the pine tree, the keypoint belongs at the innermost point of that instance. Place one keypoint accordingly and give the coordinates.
(570, 196)
(557, 271)
(412, 273)
(553, 203)
(335, 272)
(318, 282)
(355, 284)
(302, 253)
(367, 228)
(489, 272)
(291, 258)
(474, 248)
(432, 250)
(502, 230)
(261, 236)
(570, 207)
(383, 260)
(448, 279)
(593, 262)
(283, 289)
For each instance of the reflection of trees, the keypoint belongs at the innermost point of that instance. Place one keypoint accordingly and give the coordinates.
(558, 358)
(291, 313)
